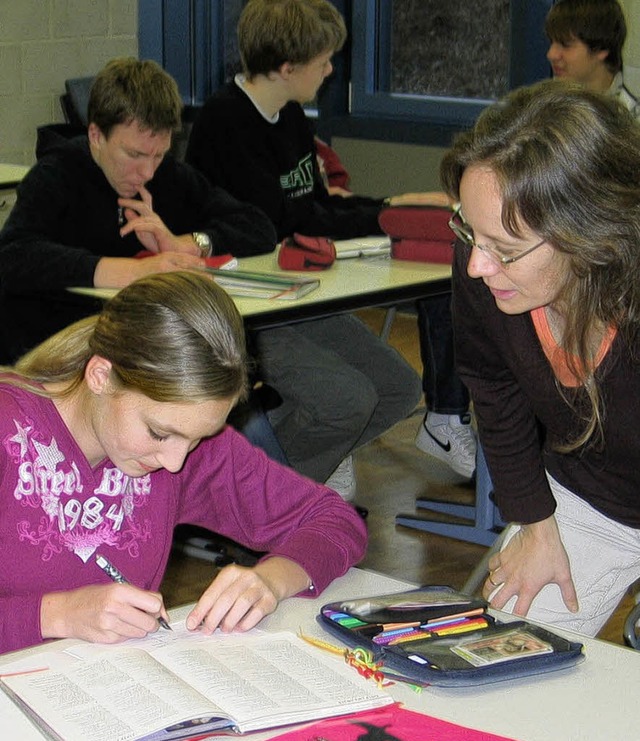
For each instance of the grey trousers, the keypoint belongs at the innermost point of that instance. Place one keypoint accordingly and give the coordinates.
(604, 556)
(340, 384)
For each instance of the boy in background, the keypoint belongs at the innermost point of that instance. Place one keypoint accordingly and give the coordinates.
(586, 38)
(252, 137)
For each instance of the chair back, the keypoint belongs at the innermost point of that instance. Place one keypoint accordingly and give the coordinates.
(75, 101)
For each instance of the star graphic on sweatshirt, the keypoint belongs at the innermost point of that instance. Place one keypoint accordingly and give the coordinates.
(21, 437)
(48, 455)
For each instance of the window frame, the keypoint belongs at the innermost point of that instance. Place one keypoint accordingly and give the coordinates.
(167, 28)
(371, 58)
(353, 106)
(349, 104)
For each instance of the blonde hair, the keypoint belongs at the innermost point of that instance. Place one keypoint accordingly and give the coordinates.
(173, 337)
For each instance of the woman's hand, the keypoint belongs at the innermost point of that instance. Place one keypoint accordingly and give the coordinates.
(239, 597)
(533, 558)
(108, 613)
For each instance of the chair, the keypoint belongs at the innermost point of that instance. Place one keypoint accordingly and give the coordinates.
(75, 100)
(385, 331)
(75, 104)
(484, 524)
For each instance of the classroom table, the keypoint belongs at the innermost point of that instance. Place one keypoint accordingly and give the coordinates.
(10, 176)
(347, 285)
(593, 701)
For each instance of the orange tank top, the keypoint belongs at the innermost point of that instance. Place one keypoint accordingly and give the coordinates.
(556, 356)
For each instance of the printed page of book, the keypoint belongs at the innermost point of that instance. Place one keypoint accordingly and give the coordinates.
(122, 694)
(270, 680)
(127, 692)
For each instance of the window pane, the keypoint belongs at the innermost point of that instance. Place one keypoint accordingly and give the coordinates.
(454, 48)
(232, 10)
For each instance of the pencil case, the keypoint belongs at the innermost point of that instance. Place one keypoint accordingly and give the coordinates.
(301, 252)
(419, 233)
(446, 638)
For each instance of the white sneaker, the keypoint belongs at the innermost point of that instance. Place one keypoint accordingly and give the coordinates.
(343, 479)
(450, 438)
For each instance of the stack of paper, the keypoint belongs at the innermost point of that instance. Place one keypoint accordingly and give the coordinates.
(263, 285)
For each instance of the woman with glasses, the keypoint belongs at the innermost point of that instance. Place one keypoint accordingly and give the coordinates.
(547, 313)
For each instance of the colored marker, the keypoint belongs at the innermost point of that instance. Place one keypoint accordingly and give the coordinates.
(456, 615)
(477, 624)
(416, 635)
(384, 639)
(347, 620)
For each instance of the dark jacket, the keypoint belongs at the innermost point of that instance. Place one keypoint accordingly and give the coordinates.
(66, 218)
(523, 417)
(274, 166)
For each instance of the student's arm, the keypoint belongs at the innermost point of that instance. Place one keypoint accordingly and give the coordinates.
(104, 613)
(308, 534)
(235, 226)
(118, 272)
(240, 597)
(35, 250)
(100, 613)
(188, 203)
(57, 236)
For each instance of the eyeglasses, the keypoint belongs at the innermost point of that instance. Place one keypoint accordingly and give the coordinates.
(463, 231)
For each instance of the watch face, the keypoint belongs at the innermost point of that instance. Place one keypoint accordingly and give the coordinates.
(203, 242)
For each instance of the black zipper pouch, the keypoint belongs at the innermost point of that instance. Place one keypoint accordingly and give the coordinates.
(435, 635)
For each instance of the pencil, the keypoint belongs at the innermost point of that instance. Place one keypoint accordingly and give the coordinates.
(113, 573)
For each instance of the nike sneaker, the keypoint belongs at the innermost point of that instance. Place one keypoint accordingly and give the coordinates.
(450, 438)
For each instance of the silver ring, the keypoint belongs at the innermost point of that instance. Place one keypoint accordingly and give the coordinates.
(492, 582)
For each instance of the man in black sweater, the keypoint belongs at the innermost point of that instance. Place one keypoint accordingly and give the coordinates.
(93, 202)
(252, 138)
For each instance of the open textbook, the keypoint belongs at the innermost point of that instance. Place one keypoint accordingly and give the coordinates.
(184, 685)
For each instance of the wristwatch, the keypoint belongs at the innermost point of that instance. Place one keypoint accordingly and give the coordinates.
(203, 241)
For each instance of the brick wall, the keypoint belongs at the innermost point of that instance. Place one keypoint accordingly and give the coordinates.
(44, 42)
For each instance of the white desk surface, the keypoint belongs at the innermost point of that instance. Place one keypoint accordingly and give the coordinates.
(347, 284)
(11, 175)
(594, 701)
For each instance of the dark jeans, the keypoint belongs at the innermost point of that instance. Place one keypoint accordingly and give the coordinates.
(250, 418)
(443, 390)
(340, 385)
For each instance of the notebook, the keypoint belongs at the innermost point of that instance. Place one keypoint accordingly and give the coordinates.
(375, 246)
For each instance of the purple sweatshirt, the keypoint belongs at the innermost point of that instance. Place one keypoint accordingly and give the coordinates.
(56, 513)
